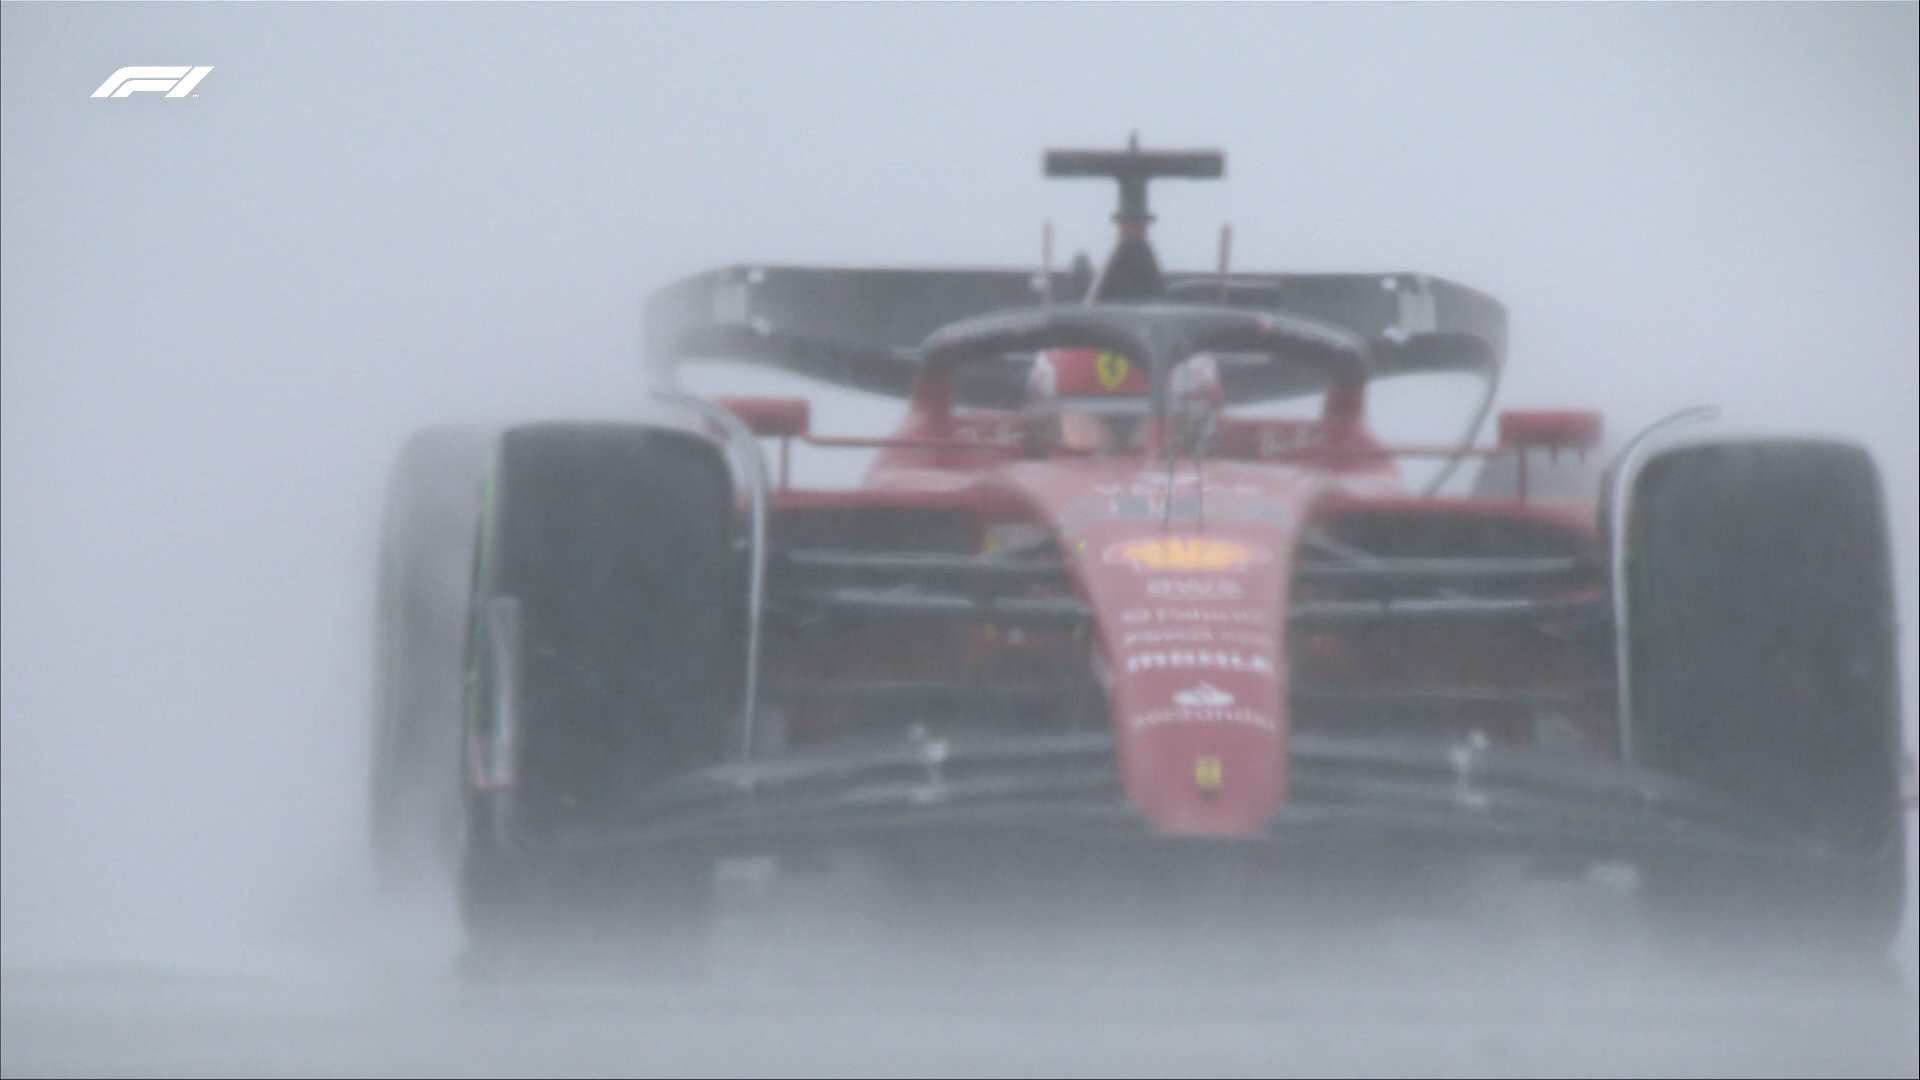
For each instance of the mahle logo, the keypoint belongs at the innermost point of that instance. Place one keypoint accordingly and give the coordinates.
(175, 81)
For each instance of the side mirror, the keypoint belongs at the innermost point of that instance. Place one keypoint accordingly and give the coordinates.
(777, 417)
(1553, 430)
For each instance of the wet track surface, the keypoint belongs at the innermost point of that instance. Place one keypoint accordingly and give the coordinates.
(1550, 983)
(414, 1024)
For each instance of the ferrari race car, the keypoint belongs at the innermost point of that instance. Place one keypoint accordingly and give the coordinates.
(1136, 573)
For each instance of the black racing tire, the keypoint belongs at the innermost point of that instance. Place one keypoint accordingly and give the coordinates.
(1761, 640)
(425, 582)
(616, 551)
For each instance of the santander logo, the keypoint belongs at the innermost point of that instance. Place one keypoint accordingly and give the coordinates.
(1203, 696)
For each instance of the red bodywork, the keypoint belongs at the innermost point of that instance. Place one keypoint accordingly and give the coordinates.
(1189, 571)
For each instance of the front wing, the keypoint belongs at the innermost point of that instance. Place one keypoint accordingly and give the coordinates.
(1345, 791)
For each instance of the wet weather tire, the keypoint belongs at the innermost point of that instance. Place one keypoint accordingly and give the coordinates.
(425, 578)
(1762, 666)
(607, 657)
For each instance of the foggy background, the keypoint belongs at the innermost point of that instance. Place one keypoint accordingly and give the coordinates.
(222, 315)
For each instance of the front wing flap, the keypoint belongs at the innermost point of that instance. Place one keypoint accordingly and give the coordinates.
(1347, 790)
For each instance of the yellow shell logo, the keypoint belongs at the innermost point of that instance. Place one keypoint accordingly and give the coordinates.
(1183, 553)
(1111, 368)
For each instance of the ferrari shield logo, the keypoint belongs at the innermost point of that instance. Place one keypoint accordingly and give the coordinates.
(1207, 775)
(1111, 368)
(1184, 553)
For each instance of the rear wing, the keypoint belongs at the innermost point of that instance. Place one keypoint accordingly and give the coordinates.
(864, 328)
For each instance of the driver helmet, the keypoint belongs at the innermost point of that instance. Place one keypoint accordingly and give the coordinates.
(1194, 400)
(1086, 400)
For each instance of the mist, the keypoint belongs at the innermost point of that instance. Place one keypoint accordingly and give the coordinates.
(222, 315)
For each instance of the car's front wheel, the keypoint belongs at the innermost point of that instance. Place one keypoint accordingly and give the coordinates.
(606, 656)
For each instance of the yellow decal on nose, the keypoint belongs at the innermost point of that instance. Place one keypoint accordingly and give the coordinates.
(1206, 775)
(1183, 553)
(1112, 368)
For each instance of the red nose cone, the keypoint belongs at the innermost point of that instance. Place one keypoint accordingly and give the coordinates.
(1206, 778)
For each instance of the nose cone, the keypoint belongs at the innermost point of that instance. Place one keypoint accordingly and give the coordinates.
(1207, 779)
(1207, 762)
(1187, 576)
(1192, 641)
(1196, 685)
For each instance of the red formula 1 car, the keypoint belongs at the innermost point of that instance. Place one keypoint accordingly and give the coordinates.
(1136, 570)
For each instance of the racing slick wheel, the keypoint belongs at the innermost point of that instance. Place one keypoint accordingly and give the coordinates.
(1761, 652)
(606, 653)
(426, 558)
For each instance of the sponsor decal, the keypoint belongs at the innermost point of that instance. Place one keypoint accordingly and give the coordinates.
(1205, 695)
(1220, 588)
(1157, 506)
(1199, 635)
(1206, 714)
(1184, 553)
(1150, 637)
(1214, 659)
(1111, 369)
(1241, 616)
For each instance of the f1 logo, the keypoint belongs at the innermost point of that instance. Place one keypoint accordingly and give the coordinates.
(176, 81)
